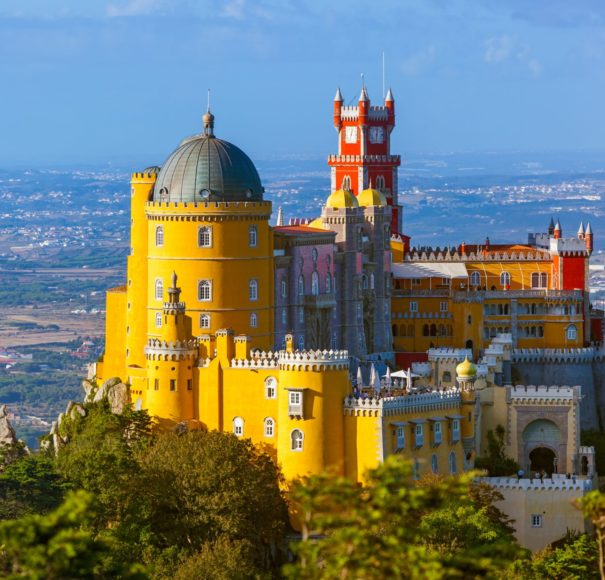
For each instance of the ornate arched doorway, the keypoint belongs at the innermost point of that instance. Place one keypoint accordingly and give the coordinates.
(542, 459)
(542, 440)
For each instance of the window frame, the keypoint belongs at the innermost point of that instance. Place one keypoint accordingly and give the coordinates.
(252, 236)
(205, 283)
(297, 444)
(202, 231)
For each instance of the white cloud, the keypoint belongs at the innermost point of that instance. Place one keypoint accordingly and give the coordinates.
(504, 48)
(415, 63)
(498, 48)
(234, 9)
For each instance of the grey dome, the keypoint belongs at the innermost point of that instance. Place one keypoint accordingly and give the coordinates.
(205, 168)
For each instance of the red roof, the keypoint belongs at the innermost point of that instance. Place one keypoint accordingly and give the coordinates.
(298, 230)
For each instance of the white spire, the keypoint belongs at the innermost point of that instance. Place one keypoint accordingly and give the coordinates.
(363, 96)
(588, 231)
(280, 216)
(558, 225)
(581, 229)
(389, 96)
(338, 96)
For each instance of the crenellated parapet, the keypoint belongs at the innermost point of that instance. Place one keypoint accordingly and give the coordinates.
(452, 355)
(208, 211)
(314, 360)
(544, 394)
(158, 350)
(367, 159)
(258, 360)
(407, 404)
(430, 254)
(586, 355)
(558, 482)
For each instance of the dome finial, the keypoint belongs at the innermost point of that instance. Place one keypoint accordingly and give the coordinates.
(208, 120)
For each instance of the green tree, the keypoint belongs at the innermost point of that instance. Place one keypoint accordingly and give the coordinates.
(496, 461)
(200, 488)
(593, 507)
(30, 485)
(393, 528)
(58, 545)
(100, 457)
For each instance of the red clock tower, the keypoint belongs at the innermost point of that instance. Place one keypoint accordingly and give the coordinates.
(364, 152)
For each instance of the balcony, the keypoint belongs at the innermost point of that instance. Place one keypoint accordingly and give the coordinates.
(320, 301)
(481, 295)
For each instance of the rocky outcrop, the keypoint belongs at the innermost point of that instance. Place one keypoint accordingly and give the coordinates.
(8, 436)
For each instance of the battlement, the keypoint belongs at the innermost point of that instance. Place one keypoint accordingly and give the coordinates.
(157, 349)
(159, 209)
(558, 482)
(558, 355)
(568, 246)
(544, 394)
(378, 159)
(387, 406)
(449, 354)
(259, 359)
(314, 360)
(429, 254)
(144, 176)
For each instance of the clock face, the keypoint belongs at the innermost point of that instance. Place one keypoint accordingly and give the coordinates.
(351, 134)
(376, 134)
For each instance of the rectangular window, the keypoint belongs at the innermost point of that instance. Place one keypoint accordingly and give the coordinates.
(204, 237)
(443, 306)
(413, 306)
(204, 291)
(156, 384)
(189, 384)
(419, 436)
(400, 437)
(173, 384)
(437, 433)
(295, 403)
(455, 430)
(252, 236)
(416, 281)
(536, 521)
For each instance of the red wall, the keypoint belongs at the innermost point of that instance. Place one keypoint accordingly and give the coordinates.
(573, 272)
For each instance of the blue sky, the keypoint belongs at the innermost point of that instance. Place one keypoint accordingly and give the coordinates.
(125, 80)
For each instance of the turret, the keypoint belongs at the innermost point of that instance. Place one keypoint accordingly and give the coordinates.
(389, 103)
(558, 231)
(581, 231)
(588, 238)
(551, 227)
(466, 374)
(364, 106)
(337, 109)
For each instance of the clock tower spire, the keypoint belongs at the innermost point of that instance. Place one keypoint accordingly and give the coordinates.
(364, 156)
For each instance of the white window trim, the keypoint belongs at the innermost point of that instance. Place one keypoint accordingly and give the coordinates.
(297, 449)
(199, 285)
(269, 423)
(210, 237)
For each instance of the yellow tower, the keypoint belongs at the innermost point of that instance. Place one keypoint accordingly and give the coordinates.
(313, 386)
(466, 374)
(207, 220)
(170, 362)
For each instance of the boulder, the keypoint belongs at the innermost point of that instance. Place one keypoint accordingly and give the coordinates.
(118, 396)
(7, 433)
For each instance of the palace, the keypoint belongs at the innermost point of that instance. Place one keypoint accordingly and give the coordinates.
(289, 335)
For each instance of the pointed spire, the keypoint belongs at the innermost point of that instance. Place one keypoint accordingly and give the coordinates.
(558, 226)
(208, 120)
(588, 231)
(581, 230)
(338, 98)
(363, 96)
(552, 223)
(389, 97)
(280, 216)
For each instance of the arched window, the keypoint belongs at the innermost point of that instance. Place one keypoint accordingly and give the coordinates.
(159, 289)
(380, 184)
(346, 183)
(425, 330)
(252, 236)
(572, 332)
(475, 278)
(284, 288)
(253, 290)
(315, 283)
(539, 280)
(372, 281)
(433, 330)
(159, 236)
(238, 426)
(270, 388)
(452, 463)
(314, 255)
(328, 283)
(434, 463)
(301, 343)
(158, 319)
(296, 440)
(505, 279)
(253, 320)
(204, 290)
(395, 331)
(204, 320)
(284, 316)
(204, 237)
(269, 427)
(301, 285)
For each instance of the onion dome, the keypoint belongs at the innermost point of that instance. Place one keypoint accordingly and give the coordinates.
(204, 168)
(341, 198)
(371, 197)
(466, 369)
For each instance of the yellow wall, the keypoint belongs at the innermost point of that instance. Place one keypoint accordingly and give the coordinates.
(114, 358)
